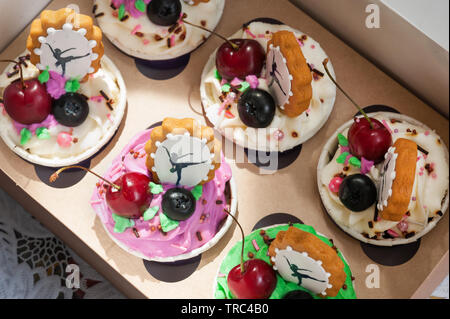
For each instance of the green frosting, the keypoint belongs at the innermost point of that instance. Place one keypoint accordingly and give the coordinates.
(140, 5)
(217, 75)
(42, 133)
(155, 189)
(355, 162)
(121, 223)
(226, 88)
(167, 224)
(283, 287)
(44, 76)
(342, 158)
(121, 12)
(150, 213)
(244, 86)
(197, 192)
(342, 140)
(72, 85)
(25, 136)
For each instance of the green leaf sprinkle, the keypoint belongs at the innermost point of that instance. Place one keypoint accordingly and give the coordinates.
(355, 162)
(342, 140)
(342, 158)
(122, 223)
(197, 192)
(167, 224)
(44, 76)
(226, 88)
(121, 13)
(244, 86)
(150, 213)
(155, 189)
(140, 5)
(72, 85)
(217, 75)
(25, 136)
(42, 133)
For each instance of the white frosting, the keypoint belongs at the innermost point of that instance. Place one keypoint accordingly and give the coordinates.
(182, 160)
(67, 52)
(388, 175)
(295, 130)
(100, 124)
(429, 189)
(146, 47)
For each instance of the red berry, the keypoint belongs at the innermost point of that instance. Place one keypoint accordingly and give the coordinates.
(258, 280)
(370, 143)
(248, 59)
(133, 198)
(28, 105)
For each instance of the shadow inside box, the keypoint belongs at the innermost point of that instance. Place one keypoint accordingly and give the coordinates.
(173, 272)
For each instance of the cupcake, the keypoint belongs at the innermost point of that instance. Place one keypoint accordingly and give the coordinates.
(265, 88)
(182, 192)
(62, 100)
(153, 30)
(384, 182)
(285, 262)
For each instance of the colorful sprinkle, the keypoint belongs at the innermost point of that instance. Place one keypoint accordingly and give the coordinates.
(253, 81)
(392, 233)
(226, 88)
(236, 82)
(64, 139)
(244, 86)
(97, 99)
(25, 136)
(136, 29)
(334, 185)
(255, 244)
(42, 133)
(250, 33)
(278, 135)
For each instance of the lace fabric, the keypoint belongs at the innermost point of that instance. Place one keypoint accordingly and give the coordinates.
(33, 262)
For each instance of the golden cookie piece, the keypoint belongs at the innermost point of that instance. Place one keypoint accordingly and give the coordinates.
(402, 185)
(56, 20)
(318, 259)
(173, 127)
(300, 74)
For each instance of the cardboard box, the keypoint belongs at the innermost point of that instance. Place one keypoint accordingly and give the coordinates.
(67, 211)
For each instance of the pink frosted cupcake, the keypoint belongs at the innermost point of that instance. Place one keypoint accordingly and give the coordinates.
(186, 187)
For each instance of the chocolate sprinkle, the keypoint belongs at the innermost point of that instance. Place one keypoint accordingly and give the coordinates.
(219, 202)
(199, 236)
(439, 213)
(94, 9)
(136, 233)
(113, 6)
(250, 255)
(422, 150)
(101, 14)
(409, 235)
(139, 34)
(370, 224)
(11, 74)
(125, 18)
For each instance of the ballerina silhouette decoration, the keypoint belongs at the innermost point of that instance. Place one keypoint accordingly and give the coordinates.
(274, 76)
(62, 61)
(296, 272)
(178, 167)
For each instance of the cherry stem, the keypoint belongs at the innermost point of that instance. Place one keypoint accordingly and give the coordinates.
(19, 64)
(243, 239)
(233, 45)
(55, 175)
(325, 62)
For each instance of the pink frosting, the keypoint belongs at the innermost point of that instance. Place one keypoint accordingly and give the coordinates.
(47, 123)
(180, 240)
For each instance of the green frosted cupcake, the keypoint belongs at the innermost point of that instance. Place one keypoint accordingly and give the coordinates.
(307, 264)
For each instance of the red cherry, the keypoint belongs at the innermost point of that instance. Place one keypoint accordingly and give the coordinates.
(247, 59)
(370, 143)
(133, 197)
(258, 280)
(27, 105)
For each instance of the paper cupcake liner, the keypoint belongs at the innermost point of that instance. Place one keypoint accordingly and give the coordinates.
(58, 162)
(245, 143)
(198, 251)
(331, 147)
(265, 228)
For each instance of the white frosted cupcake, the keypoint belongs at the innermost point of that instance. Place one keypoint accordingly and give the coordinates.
(153, 30)
(70, 99)
(391, 202)
(279, 103)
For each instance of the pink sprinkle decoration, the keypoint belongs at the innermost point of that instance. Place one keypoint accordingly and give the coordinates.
(421, 174)
(335, 184)
(172, 41)
(255, 244)
(253, 81)
(313, 46)
(64, 139)
(261, 36)
(223, 82)
(236, 82)
(396, 131)
(387, 126)
(98, 98)
(250, 33)
(278, 135)
(434, 175)
(345, 149)
(221, 275)
(109, 117)
(366, 165)
(300, 43)
(348, 159)
(427, 133)
(403, 225)
(392, 233)
(136, 29)
(146, 41)
(413, 198)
